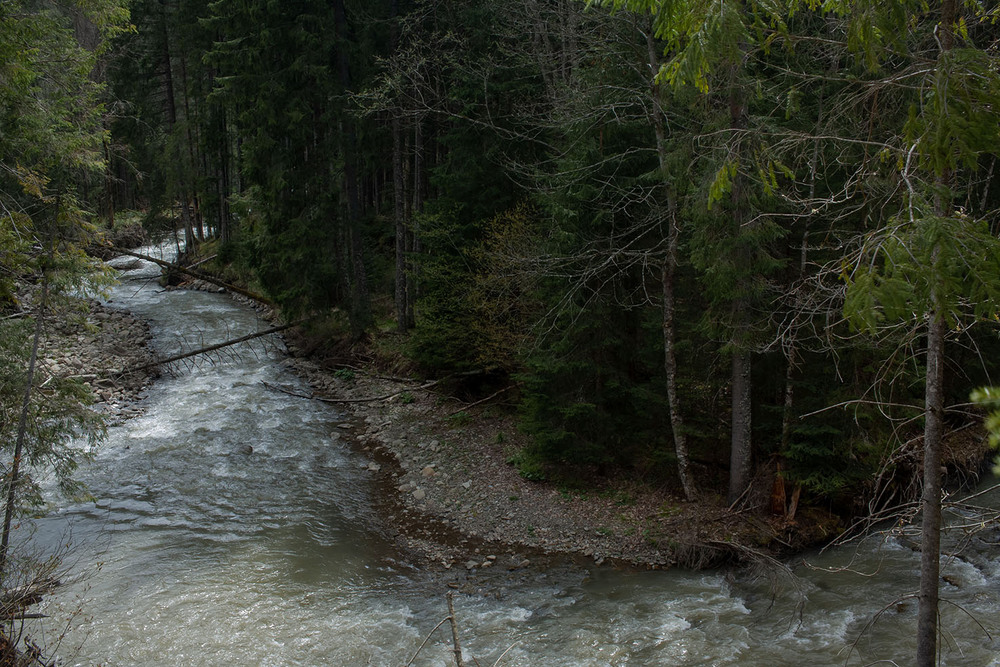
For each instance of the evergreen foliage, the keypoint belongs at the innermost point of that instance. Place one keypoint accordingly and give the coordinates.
(52, 152)
(51, 129)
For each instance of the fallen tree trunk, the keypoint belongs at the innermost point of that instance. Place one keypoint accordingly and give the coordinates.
(384, 397)
(211, 348)
(197, 274)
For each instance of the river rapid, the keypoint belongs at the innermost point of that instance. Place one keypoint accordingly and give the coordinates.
(196, 551)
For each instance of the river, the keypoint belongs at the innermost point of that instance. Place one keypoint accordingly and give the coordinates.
(194, 552)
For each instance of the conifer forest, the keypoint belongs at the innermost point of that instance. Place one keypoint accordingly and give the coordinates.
(744, 250)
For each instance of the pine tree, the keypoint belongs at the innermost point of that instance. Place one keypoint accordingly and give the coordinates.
(934, 258)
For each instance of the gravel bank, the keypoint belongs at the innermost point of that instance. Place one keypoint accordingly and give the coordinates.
(101, 350)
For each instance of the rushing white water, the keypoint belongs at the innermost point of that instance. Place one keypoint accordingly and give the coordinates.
(197, 553)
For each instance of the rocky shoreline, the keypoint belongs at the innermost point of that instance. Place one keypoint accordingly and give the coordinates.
(103, 351)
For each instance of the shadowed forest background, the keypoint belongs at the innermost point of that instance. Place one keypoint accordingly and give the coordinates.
(713, 243)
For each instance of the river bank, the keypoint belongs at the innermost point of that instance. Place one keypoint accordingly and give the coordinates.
(279, 556)
(446, 469)
(449, 493)
(103, 347)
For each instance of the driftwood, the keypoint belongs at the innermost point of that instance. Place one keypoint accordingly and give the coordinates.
(202, 261)
(211, 348)
(25, 596)
(197, 274)
(15, 601)
(454, 631)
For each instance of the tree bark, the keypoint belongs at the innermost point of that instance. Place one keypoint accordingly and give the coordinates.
(399, 209)
(456, 646)
(930, 542)
(168, 80)
(198, 229)
(399, 199)
(360, 298)
(223, 232)
(412, 288)
(670, 368)
(740, 452)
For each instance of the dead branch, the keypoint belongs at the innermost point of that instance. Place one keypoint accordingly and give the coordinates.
(454, 630)
(384, 397)
(203, 260)
(484, 400)
(274, 387)
(509, 648)
(392, 378)
(426, 639)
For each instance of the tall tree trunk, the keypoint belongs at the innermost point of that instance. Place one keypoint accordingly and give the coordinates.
(670, 368)
(109, 183)
(198, 230)
(222, 179)
(930, 530)
(399, 196)
(668, 271)
(930, 542)
(168, 75)
(741, 451)
(168, 81)
(399, 209)
(418, 206)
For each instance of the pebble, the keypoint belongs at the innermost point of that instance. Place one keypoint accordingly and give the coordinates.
(419, 494)
(428, 471)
